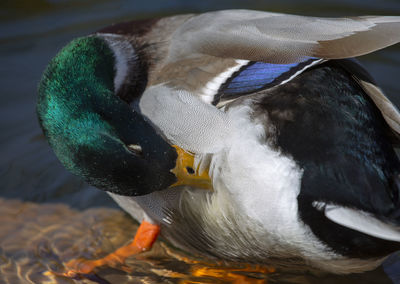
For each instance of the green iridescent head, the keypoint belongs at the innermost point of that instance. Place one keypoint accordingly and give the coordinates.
(94, 133)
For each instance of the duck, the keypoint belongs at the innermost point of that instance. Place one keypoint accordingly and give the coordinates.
(241, 135)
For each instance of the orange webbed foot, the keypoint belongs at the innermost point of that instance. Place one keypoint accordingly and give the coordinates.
(229, 272)
(144, 239)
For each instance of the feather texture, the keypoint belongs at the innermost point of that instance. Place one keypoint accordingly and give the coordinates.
(281, 38)
(257, 76)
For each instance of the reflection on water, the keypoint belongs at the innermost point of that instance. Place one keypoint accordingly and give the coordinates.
(58, 226)
(36, 238)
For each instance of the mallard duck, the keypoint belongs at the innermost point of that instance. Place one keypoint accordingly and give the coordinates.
(244, 135)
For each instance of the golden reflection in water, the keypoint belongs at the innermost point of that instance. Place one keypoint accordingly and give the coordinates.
(36, 238)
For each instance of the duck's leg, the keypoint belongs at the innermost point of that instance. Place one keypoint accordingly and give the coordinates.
(144, 239)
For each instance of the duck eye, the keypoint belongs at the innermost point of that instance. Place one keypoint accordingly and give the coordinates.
(136, 149)
(190, 170)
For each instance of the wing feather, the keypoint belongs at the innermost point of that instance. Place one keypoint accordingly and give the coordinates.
(389, 111)
(282, 38)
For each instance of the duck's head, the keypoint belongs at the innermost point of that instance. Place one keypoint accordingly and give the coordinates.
(97, 135)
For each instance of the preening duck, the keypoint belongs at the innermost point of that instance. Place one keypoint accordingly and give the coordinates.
(242, 135)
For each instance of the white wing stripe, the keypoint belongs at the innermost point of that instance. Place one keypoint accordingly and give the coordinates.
(211, 88)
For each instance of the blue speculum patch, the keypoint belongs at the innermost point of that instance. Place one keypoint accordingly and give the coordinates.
(259, 75)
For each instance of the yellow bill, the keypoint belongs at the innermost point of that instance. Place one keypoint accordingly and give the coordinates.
(187, 174)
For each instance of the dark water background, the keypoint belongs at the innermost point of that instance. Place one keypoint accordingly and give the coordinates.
(32, 180)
